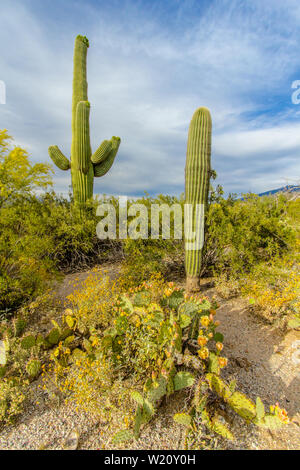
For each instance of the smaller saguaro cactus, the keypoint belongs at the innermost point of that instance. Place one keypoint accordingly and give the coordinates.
(83, 164)
(197, 176)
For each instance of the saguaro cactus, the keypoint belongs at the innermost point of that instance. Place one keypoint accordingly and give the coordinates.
(197, 176)
(84, 166)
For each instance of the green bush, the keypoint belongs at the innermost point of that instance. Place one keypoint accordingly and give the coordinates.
(241, 233)
(22, 274)
(238, 235)
(46, 234)
(42, 235)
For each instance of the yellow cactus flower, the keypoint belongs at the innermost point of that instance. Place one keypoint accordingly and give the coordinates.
(205, 320)
(202, 340)
(203, 353)
(223, 361)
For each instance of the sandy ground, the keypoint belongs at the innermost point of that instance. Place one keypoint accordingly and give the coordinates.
(263, 361)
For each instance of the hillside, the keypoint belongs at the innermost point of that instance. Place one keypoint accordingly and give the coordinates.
(289, 189)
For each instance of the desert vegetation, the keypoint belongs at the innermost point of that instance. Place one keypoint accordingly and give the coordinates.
(119, 345)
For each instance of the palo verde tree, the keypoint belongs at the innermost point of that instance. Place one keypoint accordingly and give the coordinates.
(18, 176)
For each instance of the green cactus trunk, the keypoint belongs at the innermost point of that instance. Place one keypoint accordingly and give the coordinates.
(197, 176)
(84, 166)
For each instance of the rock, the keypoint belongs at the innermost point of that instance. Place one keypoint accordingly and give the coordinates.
(71, 443)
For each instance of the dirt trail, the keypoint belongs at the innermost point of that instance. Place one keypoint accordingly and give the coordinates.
(264, 362)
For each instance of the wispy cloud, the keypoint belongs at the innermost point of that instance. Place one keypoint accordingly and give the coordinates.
(150, 65)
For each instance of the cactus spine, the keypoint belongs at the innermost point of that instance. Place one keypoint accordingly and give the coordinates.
(197, 176)
(84, 166)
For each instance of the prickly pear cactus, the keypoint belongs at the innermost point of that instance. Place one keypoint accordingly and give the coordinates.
(33, 368)
(84, 165)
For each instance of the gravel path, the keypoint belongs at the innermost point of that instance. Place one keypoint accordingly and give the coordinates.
(265, 363)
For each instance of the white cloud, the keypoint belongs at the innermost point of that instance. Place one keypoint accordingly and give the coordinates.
(261, 142)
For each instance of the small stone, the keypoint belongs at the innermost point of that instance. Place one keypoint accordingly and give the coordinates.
(71, 443)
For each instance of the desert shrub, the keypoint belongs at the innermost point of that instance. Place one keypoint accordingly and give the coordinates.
(238, 235)
(273, 290)
(40, 234)
(90, 305)
(294, 212)
(12, 398)
(270, 280)
(22, 269)
(40, 237)
(70, 233)
(242, 233)
(227, 286)
(18, 176)
(25, 264)
(145, 257)
(92, 385)
(46, 234)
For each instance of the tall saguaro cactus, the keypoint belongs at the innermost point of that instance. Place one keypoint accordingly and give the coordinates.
(84, 165)
(197, 176)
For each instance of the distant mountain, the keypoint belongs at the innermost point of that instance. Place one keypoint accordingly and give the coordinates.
(285, 189)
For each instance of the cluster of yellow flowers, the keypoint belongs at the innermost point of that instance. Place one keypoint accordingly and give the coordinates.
(168, 291)
(205, 335)
(12, 398)
(278, 299)
(280, 412)
(138, 346)
(91, 303)
(90, 384)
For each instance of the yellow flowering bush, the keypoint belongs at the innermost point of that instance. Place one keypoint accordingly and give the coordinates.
(279, 299)
(91, 304)
(91, 383)
(12, 397)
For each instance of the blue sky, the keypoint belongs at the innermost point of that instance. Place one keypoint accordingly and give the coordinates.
(151, 63)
